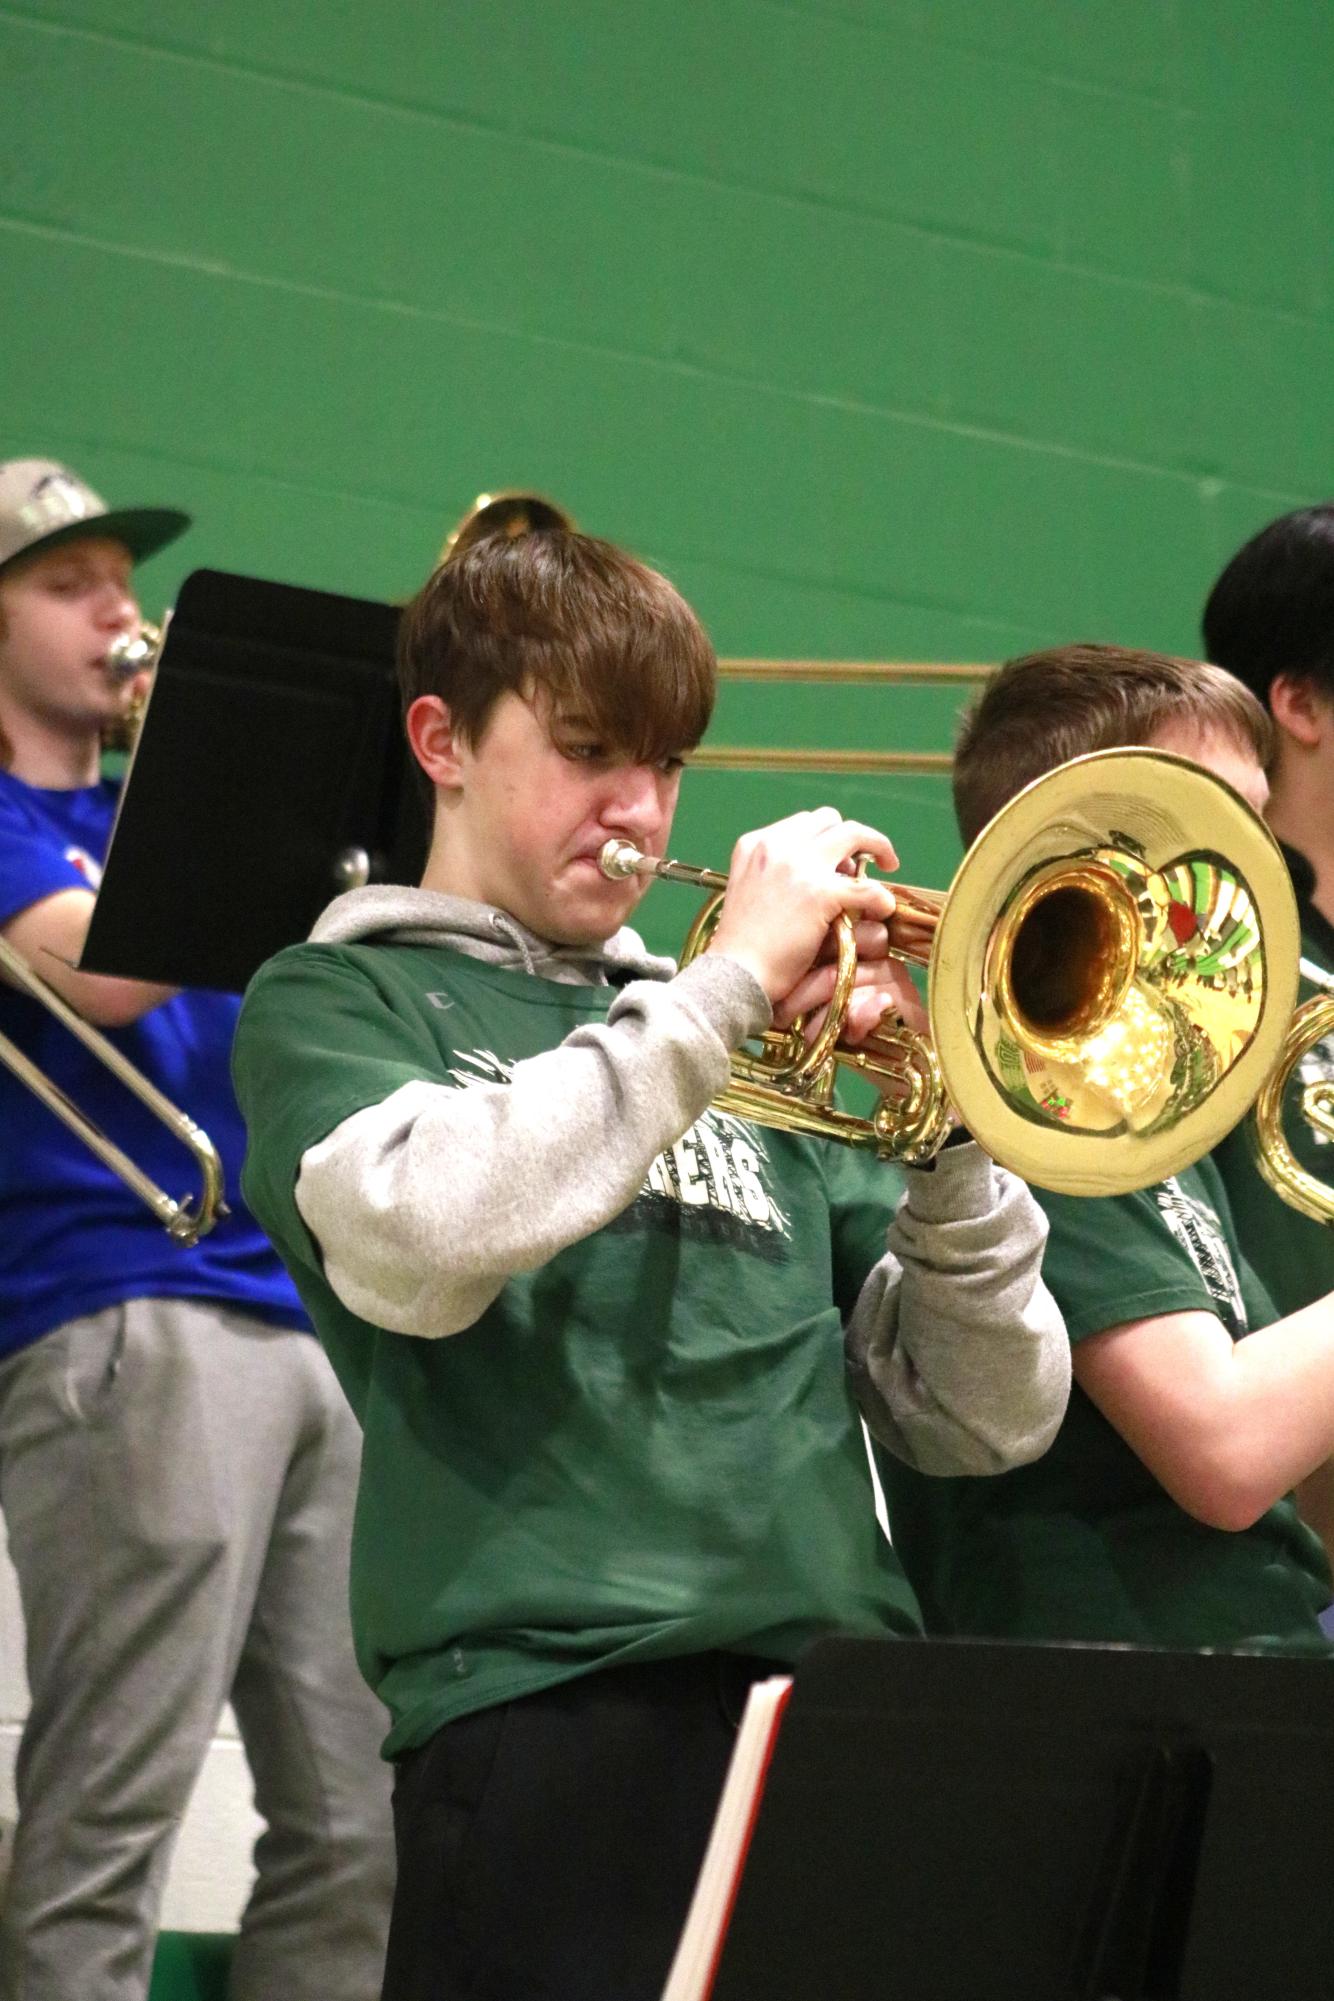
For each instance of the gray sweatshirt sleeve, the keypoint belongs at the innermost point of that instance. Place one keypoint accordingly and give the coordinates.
(425, 1204)
(956, 1350)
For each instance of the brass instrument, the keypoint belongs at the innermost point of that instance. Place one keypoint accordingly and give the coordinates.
(511, 514)
(790, 1084)
(130, 654)
(1313, 1021)
(1112, 974)
(134, 652)
(184, 1223)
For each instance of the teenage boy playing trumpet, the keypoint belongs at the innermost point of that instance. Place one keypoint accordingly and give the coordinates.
(593, 1328)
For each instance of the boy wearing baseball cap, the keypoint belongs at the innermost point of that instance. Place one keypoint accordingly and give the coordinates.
(176, 1461)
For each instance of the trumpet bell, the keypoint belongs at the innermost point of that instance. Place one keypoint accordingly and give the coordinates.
(1114, 973)
(1111, 978)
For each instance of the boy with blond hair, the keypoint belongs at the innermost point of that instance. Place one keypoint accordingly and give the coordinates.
(177, 1467)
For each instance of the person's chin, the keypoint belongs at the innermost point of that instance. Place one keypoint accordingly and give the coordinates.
(587, 922)
(587, 934)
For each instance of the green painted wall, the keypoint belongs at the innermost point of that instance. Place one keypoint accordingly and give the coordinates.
(890, 328)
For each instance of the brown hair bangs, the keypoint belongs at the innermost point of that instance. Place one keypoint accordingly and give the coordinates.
(597, 638)
(1042, 710)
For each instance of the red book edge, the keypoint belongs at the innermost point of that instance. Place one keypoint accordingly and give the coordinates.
(756, 1797)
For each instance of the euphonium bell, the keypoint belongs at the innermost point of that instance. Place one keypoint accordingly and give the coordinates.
(1111, 977)
(1313, 1021)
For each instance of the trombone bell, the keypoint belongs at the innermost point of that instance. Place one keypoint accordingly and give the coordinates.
(512, 513)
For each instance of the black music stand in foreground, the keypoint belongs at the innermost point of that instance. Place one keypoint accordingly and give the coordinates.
(969, 1821)
(271, 755)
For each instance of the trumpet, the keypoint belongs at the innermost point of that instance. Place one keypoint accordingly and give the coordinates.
(790, 1084)
(1112, 976)
(184, 1221)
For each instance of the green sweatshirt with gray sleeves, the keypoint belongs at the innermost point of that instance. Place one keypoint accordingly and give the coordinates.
(591, 1326)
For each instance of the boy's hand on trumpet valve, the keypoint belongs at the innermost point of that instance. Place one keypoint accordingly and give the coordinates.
(884, 992)
(786, 886)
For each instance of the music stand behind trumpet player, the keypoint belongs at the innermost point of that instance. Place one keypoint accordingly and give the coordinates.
(305, 787)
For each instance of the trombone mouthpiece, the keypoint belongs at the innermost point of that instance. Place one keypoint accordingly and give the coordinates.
(619, 860)
(130, 653)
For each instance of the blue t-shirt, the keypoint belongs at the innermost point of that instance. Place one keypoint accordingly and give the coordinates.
(73, 1237)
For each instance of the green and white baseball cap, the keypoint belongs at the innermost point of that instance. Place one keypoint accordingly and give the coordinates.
(43, 504)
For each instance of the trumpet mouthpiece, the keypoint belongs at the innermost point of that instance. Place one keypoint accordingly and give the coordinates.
(619, 860)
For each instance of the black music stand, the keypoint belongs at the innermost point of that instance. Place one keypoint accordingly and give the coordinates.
(968, 1821)
(270, 754)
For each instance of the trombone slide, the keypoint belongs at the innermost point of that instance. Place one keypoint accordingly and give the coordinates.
(184, 1224)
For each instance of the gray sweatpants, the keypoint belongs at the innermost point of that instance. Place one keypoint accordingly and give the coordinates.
(177, 1480)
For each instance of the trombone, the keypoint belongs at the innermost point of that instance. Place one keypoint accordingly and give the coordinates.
(1112, 978)
(132, 652)
(511, 513)
(184, 1222)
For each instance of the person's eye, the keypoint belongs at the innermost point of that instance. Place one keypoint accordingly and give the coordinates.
(580, 751)
(669, 766)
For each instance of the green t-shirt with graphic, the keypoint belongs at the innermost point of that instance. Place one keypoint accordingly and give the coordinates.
(1085, 1544)
(642, 1449)
(1293, 1254)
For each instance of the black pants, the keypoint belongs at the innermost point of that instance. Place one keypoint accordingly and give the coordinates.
(547, 1849)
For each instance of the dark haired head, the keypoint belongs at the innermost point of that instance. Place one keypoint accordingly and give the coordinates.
(1042, 710)
(571, 623)
(1272, 610)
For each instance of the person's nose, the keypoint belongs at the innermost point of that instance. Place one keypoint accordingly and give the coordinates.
(117, 608)
(634, 802)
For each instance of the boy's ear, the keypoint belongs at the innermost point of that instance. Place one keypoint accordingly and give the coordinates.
(1301, 709)
(433, 740)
